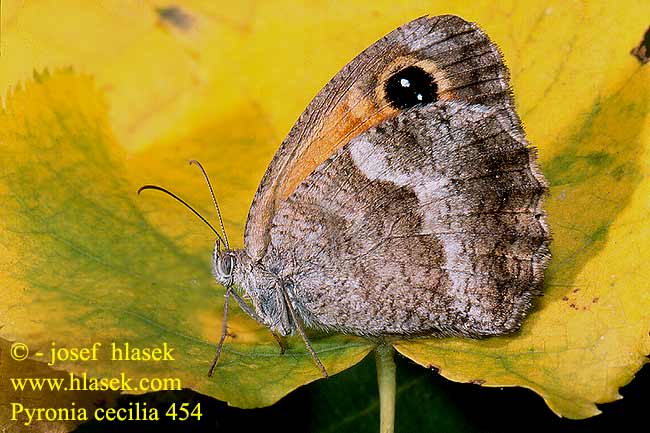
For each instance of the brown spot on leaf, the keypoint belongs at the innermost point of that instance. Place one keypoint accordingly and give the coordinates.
(576, 290)
(176, 16)
(573, 306)
(642, 51)
(595, 300)
(565, 298)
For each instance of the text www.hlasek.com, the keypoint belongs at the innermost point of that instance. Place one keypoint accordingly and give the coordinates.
(84, 383)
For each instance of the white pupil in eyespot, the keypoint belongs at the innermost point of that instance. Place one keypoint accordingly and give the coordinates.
(419, 96)
(405, 83)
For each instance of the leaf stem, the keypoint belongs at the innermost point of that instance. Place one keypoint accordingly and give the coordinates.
(385, 359)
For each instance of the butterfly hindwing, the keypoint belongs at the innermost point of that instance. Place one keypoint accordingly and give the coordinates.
(429, 223)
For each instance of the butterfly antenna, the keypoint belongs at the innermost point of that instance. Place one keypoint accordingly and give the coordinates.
(214, 200)
(160, 188)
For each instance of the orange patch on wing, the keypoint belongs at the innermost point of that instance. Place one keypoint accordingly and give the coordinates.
(353, 115)
(356, 113)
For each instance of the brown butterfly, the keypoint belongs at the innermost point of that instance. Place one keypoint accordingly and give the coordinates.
(405, 201)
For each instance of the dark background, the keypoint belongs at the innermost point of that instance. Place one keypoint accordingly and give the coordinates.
(426, 402)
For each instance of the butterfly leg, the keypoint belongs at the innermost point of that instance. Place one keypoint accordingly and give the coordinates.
(247, 308)
(224, 332)
(301, 331)
(253, 315)
(280, 341)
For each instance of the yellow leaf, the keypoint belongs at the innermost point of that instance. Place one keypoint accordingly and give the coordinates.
(589, 333)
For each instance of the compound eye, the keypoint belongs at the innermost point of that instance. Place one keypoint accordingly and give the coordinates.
(228, 264)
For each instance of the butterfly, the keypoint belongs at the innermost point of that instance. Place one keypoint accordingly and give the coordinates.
(405, 201)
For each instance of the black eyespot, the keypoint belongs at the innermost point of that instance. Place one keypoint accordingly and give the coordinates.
(410, 86)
